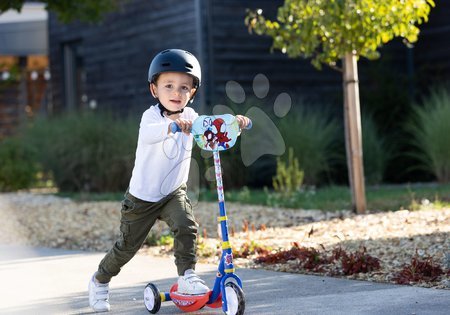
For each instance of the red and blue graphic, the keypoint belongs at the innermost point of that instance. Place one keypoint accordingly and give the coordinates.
(215, 133)
(228, 259)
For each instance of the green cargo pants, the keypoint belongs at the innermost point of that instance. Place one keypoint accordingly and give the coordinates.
(138, 217)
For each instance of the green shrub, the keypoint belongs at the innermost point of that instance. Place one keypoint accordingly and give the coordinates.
(375, 152)
(86, 151)
(315, 137)
(289, 177)
(18, 167)
(156, 239)
(430, 129)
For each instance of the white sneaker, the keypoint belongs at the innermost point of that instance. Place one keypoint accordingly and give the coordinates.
(99, 295)
(191, 284)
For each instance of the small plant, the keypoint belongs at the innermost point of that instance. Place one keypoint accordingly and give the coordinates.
(419, 270)
(151, 240)
(165, 240)
(244, 194)
(159, 240)
(312, 259)
(309, 258)
(205, 249)
(430, 129)
(250, 248)
(358, 262)
(289, 176)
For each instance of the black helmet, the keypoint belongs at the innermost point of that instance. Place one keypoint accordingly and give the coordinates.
(175, 60)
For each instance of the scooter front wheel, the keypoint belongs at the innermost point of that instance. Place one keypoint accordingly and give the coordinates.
(235, 299)
(152, 298)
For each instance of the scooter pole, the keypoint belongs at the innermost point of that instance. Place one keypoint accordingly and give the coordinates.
(226, 267)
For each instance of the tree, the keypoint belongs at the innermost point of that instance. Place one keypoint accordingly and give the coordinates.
(338, 32)
(68, 10)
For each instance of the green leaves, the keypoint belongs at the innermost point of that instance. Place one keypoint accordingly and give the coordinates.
(326, 30)
(11, 4)
(84, 10)
(68, 10)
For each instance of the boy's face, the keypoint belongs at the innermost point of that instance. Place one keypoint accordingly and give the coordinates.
(173, 89)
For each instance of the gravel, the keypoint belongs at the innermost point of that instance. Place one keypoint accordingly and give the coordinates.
(395, 237)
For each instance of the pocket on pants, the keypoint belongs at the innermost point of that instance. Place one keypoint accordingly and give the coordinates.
(189, 210)
(125, 228)
(127, 205)
(125, 234)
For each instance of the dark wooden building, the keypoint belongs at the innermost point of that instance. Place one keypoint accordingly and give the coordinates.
(23, 66)
(105, 65)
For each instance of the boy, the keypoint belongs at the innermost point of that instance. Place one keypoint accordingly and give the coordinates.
(157, 189)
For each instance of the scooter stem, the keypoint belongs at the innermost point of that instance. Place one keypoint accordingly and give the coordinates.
(226, 247)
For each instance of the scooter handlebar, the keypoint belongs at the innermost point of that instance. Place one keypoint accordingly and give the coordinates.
(174, 128)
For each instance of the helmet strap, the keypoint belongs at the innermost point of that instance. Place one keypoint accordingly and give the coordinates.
(168, 112)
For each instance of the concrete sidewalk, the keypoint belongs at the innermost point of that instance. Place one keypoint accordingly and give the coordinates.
(52, 281)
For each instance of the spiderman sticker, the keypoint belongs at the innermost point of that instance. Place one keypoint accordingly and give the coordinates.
(220, 132)
(216, 133)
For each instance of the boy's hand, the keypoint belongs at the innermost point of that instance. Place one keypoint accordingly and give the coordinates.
(184, 124)
(243, 121)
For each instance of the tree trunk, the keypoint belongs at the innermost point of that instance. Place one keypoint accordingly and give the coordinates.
(353, 141)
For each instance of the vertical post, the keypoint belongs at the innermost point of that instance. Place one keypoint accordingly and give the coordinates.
(69, 77)
(353, 139)
(209, 86)
(199, 31)
(23, 92)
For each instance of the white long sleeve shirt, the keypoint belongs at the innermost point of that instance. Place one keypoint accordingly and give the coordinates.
(162, 160)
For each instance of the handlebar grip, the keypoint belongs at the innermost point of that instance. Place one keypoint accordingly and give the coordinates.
(174, 128)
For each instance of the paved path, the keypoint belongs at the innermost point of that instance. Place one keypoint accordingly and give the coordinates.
(52, 281)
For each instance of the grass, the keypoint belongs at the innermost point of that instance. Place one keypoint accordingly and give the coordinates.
(379, 198)
(410, 196)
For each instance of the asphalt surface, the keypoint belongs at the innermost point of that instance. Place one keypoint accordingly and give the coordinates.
(53, 281)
